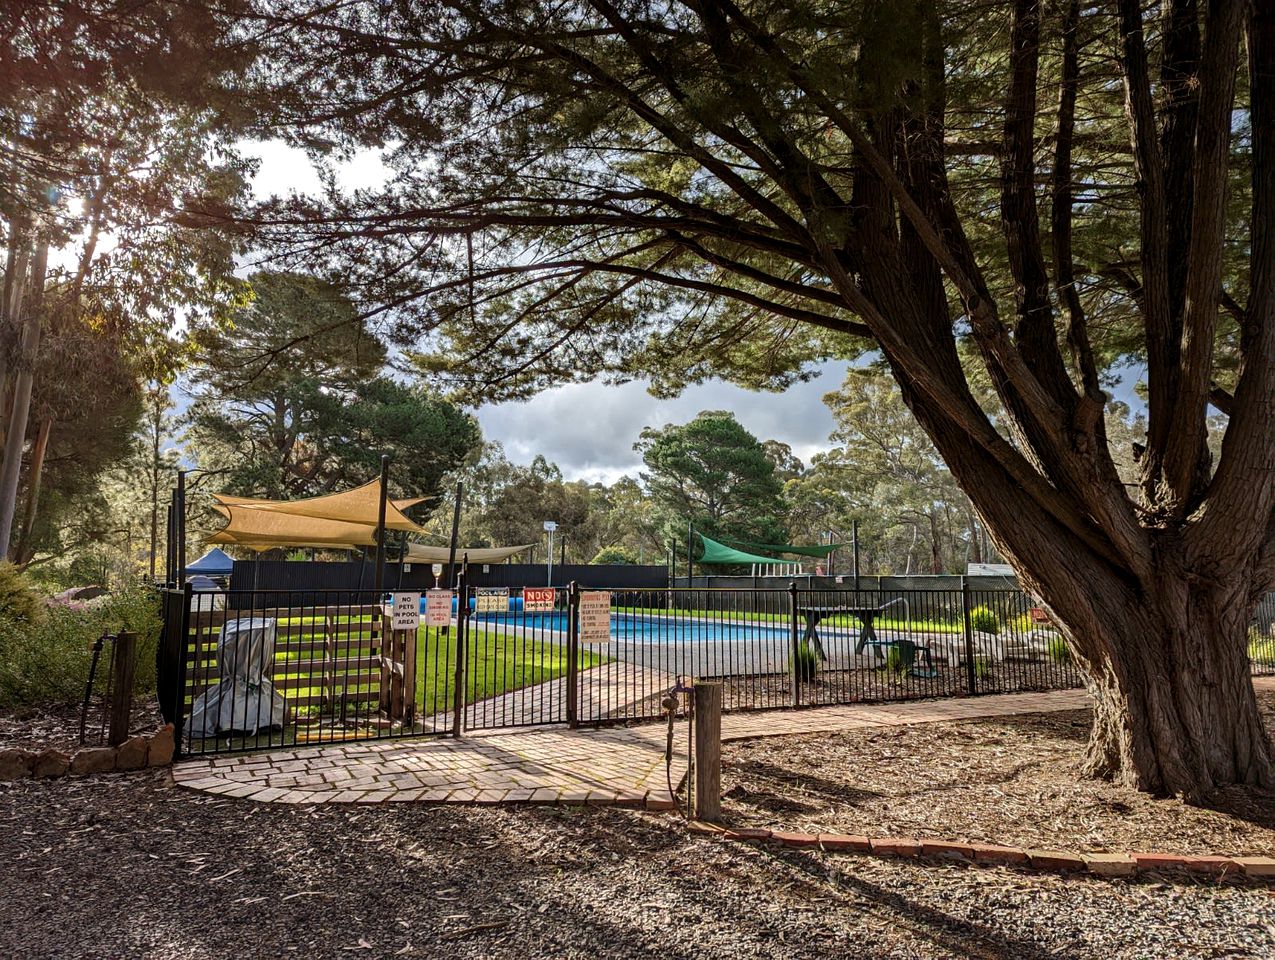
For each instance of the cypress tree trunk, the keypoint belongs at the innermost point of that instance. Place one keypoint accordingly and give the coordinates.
(1175, 711)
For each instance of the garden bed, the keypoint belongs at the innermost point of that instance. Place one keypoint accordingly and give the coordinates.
(874, 685)
(1011, 780)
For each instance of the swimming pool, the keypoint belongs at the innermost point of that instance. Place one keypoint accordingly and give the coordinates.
(659, 628)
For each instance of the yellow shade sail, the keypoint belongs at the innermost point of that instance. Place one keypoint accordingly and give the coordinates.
(261, 529)
(420, 553)
(360, 505)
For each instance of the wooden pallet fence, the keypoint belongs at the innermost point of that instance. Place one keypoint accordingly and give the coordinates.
(329, 658)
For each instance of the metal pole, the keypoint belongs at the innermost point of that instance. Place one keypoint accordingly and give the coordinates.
(170, 542)
(854, 539)
(181, 527)
(562, 551)
(458, 689)
(971, 674)
(573, 655)
(402, 554)
(451, 553)
(549, 561)
(793, 646)
(690, 554)
(378, 578)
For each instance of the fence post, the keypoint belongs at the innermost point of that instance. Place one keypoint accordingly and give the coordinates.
(462, 619)
(573, 655)
(971, 678)
(123, 670)
(183, 644)
(794, 664)
(708, 751)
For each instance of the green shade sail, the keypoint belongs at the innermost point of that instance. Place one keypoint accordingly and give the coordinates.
(822, 550)
(715, 552)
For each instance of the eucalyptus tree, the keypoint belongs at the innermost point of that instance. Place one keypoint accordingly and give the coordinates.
(114, 127)
(997, 196)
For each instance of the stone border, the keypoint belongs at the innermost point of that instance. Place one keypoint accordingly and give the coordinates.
(1054, 861)
(135, 753)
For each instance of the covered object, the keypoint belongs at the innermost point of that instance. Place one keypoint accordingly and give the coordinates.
(243, 701)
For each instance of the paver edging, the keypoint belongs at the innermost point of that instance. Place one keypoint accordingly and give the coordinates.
(1103, 864)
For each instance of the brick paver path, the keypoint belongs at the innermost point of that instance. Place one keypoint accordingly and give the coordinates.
(610, 689)
(617, 765)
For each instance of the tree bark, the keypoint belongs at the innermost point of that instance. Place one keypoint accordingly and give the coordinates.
(35, 474)
(1177, 716)
(15, 438)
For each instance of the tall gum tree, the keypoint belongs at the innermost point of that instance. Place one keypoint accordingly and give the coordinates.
(999, 196)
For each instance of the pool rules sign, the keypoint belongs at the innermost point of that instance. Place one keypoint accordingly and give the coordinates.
(438, 608)
(595, 616)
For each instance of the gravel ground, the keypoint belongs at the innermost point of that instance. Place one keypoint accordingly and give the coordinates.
(129, 866)
(1008, 780)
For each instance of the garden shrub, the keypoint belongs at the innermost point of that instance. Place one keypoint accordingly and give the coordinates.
(1261, 649)
(984, 620)
(19, 600)
(614, 555)
(1058, 650)
(982, 668)
(895, 662)
(806, 663)
(48, 660)
(1021, 624)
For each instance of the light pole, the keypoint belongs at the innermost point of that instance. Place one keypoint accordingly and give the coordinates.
(550, 526)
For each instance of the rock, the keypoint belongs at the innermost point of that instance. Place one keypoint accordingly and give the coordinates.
(160, 753)
(132, 753)
(51, 763)
(93, 760)
(15, 764)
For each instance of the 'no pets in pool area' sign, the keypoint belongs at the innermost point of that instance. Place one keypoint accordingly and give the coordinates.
(538, 599)
(595, 616)
(407, 611)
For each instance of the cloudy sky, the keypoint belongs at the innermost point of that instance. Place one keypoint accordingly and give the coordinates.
(589, 430)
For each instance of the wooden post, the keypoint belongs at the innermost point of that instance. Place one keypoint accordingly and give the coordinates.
(122, 696)
(708, 752)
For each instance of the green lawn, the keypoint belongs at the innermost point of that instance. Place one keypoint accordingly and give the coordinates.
(495, 663)
(880, 623)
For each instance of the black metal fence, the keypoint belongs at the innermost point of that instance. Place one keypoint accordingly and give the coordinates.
(249, 669)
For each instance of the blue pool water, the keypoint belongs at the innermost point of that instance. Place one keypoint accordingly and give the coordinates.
(646, 628)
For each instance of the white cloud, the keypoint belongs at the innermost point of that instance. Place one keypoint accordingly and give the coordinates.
(589, 429)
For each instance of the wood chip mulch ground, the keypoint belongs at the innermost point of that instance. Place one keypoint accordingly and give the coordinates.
(57, 725)
(1012, 781)
(129, 866)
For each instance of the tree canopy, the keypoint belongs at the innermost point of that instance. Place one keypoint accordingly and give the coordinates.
(292, 401)
(715, 476)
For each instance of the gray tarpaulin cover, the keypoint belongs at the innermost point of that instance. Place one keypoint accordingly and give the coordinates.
(244, 701)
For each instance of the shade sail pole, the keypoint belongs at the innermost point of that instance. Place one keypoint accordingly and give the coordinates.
(690, 554)
(451, 551)
(378, 579)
